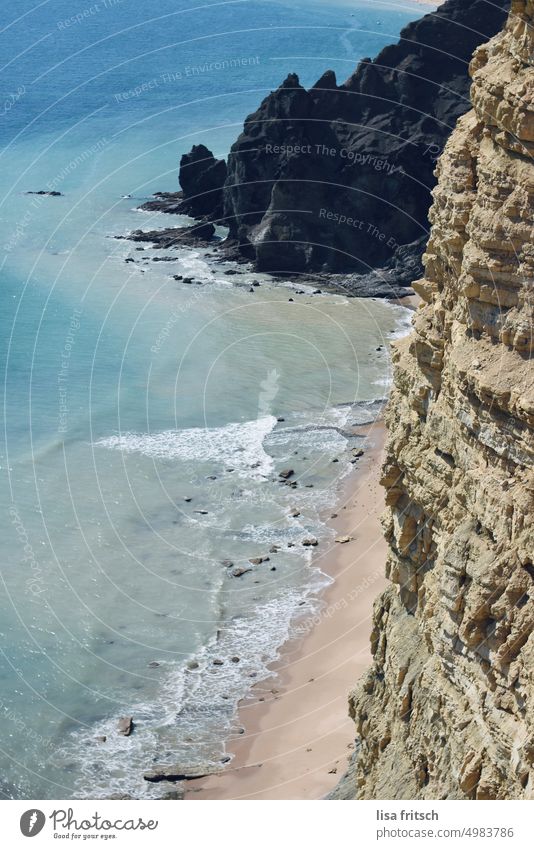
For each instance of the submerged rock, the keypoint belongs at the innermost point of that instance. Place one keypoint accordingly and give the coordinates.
(52, 194)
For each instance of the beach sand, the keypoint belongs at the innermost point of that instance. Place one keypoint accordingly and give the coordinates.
(298, 735)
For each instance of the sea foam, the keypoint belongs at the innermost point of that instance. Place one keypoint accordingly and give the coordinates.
(239, 444)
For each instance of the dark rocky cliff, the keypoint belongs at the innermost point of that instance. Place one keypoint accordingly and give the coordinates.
(365, 150)
(339, 177)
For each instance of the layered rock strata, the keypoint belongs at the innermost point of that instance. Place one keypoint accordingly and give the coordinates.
(446, 710)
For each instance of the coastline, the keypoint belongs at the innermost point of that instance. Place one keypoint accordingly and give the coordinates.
(297, 732)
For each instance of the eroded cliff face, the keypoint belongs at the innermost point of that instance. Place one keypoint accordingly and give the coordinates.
(446, 711)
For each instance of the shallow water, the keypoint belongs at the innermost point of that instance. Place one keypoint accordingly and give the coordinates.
(127, 392)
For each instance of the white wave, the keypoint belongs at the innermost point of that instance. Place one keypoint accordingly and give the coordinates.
(385, 381)
(193, 263)
(194, 711)
(315, 439)
(239, 444)
(403, 321)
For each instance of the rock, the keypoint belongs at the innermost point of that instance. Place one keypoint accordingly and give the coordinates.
(274, 548)
(256, 561)
(358, 452)
(310, 541)
(227, 563)
(442, 712)
(392, 115)
(202, 178)
(192, 664)
(199, 235)
(52, 194)
(101, 739)
(170, 202)
(235, 659)
(180, 772)
(343, 539)
(125, 725)
(286, 473)
(239, 571)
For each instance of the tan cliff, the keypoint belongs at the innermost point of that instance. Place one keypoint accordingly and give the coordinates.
(446, 711)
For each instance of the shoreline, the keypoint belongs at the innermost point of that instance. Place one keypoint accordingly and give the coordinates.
(297, 733)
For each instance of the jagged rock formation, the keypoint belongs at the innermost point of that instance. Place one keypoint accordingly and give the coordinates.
(339, 177)
(202, 178)
(446, 711)
(365, 150)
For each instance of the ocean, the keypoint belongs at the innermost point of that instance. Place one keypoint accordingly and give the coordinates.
(146, 420)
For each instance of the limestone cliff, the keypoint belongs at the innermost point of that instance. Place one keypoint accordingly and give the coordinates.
(446, 710)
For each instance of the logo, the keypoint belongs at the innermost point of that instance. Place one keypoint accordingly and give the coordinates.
(32, 822)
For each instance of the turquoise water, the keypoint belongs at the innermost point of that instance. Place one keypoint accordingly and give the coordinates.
(126, 392)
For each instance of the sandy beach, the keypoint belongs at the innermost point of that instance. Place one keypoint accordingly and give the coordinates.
(297, 733)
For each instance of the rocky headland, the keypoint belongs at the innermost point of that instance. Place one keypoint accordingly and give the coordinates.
(446, 711)
(338, 178)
